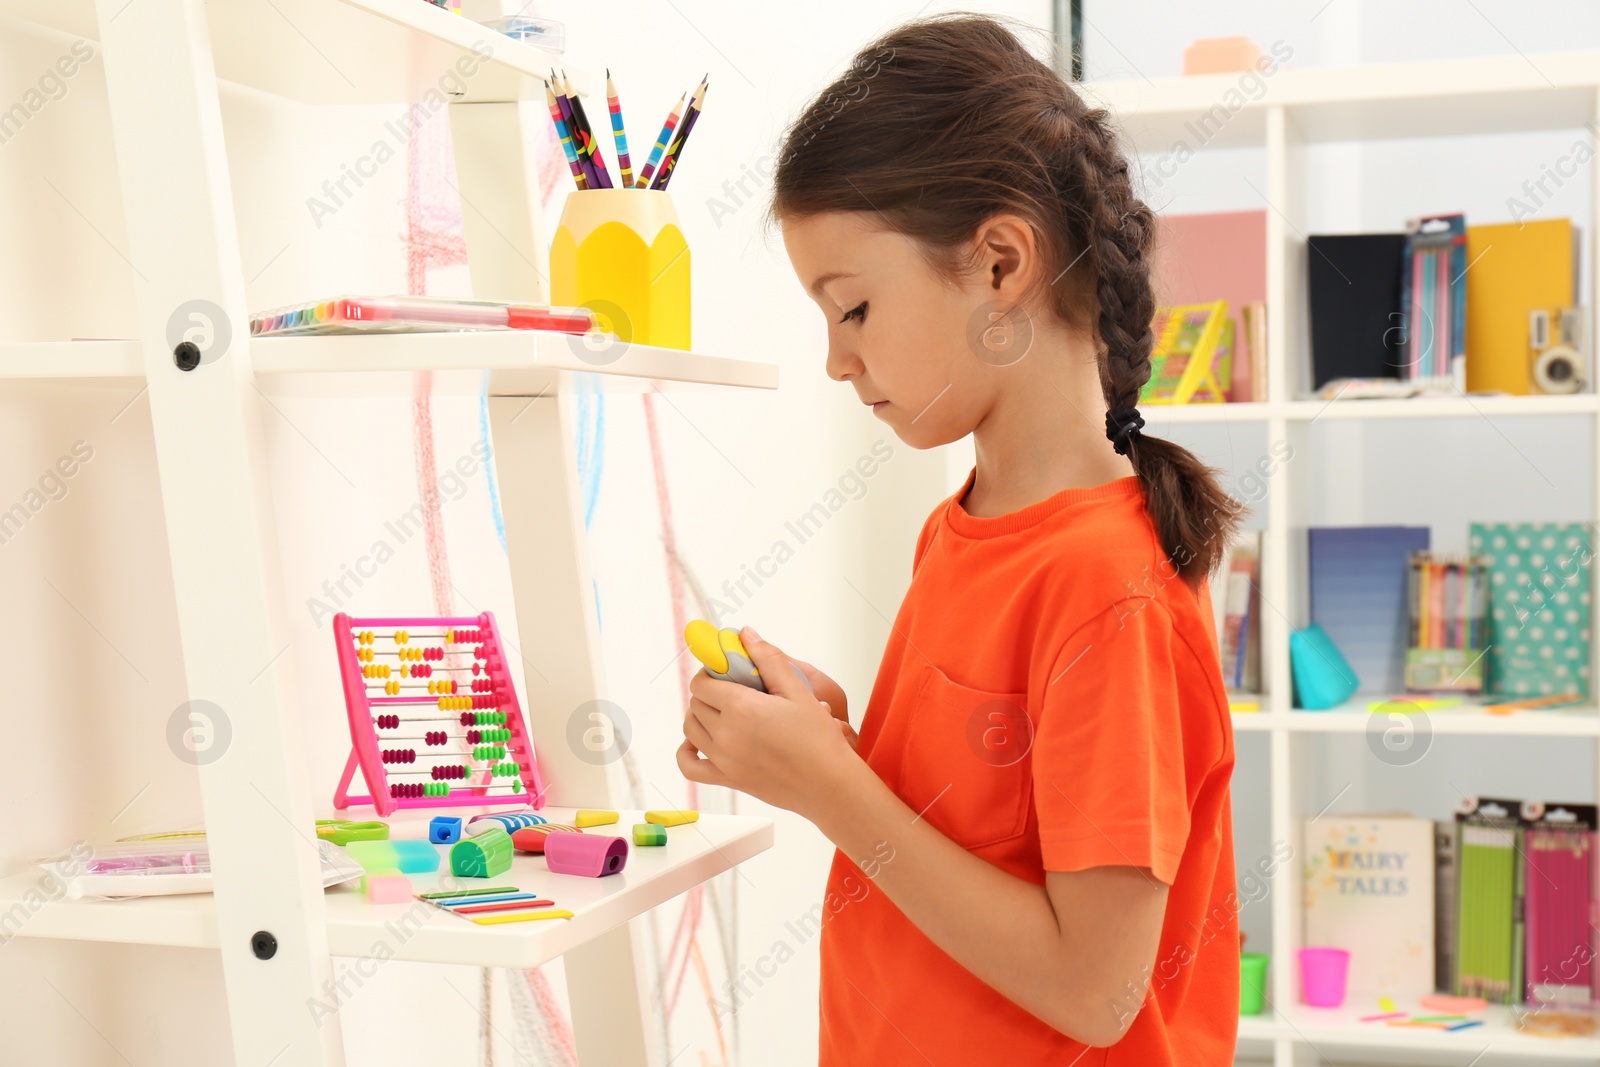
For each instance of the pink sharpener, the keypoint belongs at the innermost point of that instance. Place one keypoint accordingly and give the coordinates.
(591, 855)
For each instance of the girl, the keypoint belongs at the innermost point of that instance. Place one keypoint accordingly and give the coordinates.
(1039, 793)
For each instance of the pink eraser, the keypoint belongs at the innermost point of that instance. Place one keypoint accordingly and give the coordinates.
(591, 855)
(388, 888)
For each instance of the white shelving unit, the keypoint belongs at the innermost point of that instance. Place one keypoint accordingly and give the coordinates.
(1299, 108)
(163, 60)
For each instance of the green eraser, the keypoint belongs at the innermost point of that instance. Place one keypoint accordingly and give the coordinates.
(405, 856)
(645, 833)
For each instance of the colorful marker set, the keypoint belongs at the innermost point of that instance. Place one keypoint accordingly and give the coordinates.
(582, 150)
(494, 905)
(416, 314)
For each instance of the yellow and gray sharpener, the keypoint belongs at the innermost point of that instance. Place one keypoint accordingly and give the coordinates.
(724, 656)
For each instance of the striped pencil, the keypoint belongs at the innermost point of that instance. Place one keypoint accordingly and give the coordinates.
(624, 164)
(675, 151)
(597, 160)
(566, 138)
(661, 144)
(564, 105)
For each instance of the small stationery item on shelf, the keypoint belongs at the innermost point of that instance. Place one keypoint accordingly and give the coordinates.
(619, 132)
(564, 132)
(1531, 266)
(168, 864)
(533, 838)
(485, 856)
(1539, 609)
(436, 695)
(1323, 971)
(672, 818)
(407, 856)
(1255, 331)
(1559, 853)
(386, 887)
(1184, 363)
(1433, 299)
(1322, 677)
(494, 905)
(547, 34)
(667, 128)
(590, 855)
(1488, 956)
(669, 162)
(592, 817)
(1369, 888)
(583, 132)
(1545, 1020)
(1556, 364)
(1354, 294)
(1447, 598)
(415, 314)
(509, 821)
(1358, 595)
(444, 829)
(344, 831)
(1236, 606)
(645, 834)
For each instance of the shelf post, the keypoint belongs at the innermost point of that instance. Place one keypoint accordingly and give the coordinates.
(184, 254)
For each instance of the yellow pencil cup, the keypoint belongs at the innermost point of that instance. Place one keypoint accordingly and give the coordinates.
(621, 254)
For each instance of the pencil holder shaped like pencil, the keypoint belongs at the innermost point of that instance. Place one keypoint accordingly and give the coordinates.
(621, 254)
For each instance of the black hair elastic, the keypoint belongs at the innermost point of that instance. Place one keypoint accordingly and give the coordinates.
(1121, 427)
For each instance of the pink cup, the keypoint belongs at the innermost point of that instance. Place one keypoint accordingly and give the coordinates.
(1322, 976)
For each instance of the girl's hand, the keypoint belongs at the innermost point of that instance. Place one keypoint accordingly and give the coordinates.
(782, 746)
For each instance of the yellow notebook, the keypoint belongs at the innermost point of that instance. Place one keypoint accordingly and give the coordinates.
(1513, 268)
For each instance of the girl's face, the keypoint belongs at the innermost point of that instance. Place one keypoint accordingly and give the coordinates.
(899, 333)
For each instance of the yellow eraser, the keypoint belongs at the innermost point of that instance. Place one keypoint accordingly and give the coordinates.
(1385, 1004)
(589, 817)
(671, 818)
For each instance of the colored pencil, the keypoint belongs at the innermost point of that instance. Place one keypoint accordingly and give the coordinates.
(661, 144)
(595, 156)
(619, 132)
(675, 150)
(564, 104)
(566, 138)
(522, 916)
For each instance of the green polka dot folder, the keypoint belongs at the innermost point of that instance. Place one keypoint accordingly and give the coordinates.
(1539, 591)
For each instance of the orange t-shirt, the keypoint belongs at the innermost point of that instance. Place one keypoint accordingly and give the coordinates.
(1050, 699)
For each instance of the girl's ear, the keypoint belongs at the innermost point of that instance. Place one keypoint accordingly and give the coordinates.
(1010, 252)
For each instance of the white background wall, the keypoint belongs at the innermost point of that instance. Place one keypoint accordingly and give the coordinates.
(91, 627)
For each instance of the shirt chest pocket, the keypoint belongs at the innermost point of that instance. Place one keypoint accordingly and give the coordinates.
(965, 765)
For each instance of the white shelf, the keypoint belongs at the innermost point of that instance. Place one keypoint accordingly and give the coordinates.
(1355, 718)
(693, 853)
(1490, 94)
(520, 360)
(1498, 1039)
(1452, 407)
(343, 51)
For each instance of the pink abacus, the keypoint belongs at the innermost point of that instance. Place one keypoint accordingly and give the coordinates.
(431, 699)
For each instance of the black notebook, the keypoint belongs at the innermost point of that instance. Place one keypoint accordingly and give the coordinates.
(1356, 329)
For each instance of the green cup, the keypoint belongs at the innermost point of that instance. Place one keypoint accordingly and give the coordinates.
(1252, 982)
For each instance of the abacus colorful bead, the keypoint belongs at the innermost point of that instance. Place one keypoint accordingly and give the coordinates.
(645, 833)
(484, 856)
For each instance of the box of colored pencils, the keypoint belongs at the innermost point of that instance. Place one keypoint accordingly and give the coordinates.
(1488, 949)
(416, 314)
(1448, 597)
(1559, 902)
